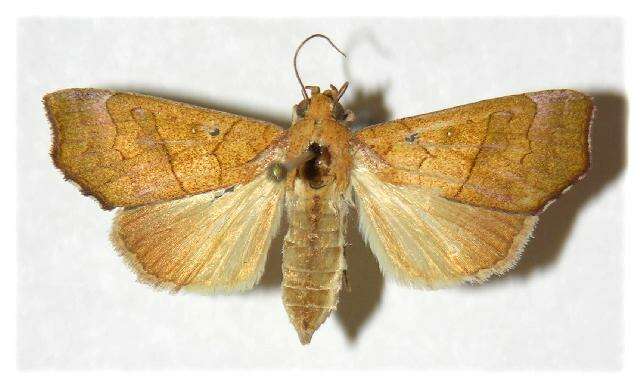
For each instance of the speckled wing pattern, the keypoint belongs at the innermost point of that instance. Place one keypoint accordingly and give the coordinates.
(513, 153)
(452, 196)
(127, 149)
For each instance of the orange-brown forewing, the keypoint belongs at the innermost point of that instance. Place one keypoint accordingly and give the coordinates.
(513, 153)
(127, 149)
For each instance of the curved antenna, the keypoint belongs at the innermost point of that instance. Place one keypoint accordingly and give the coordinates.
(295, 59)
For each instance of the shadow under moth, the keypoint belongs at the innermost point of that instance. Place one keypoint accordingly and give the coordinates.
(442, 198)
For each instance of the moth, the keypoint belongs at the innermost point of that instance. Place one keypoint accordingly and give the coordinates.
(442, 198)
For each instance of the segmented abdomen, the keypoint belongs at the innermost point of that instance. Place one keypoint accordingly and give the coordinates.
(313, 255)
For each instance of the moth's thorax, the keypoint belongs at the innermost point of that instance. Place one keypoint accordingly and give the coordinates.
(318, 127)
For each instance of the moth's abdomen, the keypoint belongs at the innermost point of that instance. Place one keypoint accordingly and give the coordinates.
(313, 258)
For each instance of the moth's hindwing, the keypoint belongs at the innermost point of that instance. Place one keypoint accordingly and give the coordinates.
(424, 240)
(216, 241)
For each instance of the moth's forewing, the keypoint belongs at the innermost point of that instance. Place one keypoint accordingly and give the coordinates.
(451, 196)
(127, 149)
(216, 241)
(513, 153)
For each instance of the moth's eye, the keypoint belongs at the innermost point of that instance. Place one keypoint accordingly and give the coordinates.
(301, 108)
(338, 112)
(277, 172)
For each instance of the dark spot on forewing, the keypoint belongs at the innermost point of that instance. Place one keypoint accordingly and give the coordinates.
(411, 138)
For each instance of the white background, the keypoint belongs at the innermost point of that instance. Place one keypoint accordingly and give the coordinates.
(80, 307)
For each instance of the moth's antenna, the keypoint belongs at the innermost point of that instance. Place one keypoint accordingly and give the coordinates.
(295, 59)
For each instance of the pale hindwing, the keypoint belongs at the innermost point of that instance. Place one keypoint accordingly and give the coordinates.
(424, 240)
(216, 241)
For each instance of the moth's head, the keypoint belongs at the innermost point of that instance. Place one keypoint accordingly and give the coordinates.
(325, 105)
